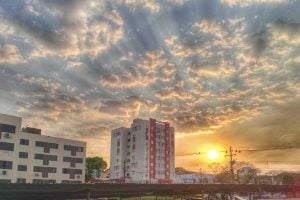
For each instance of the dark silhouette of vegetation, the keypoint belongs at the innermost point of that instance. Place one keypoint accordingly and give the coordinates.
(223, 174)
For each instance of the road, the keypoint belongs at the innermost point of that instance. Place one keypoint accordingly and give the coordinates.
(63, 191)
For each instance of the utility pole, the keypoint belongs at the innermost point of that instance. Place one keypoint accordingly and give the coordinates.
(124, 171)
(232, 161)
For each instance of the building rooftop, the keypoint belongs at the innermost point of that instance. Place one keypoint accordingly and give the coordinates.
(32, 130)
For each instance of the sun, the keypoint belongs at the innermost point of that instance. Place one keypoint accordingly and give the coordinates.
(212, 154)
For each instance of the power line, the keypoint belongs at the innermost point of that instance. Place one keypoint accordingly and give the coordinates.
(231, 153)
(191, 154)
(266, 149)
(274, 161)
(198, 153)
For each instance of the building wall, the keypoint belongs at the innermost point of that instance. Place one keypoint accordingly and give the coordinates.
(118, 150)
(9, 139)
(147, 156)
(29, 166)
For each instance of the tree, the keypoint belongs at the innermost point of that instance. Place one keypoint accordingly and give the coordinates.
(223, 173)
(224, 176)
(247, 174)
(94, 164)
(287, 178)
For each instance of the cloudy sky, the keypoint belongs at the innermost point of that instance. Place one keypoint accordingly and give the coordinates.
(223, 72)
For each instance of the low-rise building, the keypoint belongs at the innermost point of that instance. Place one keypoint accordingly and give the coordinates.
(195, 178)
(266, 180)
(27, 156)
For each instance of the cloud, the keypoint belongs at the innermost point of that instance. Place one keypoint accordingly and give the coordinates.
(178, 2)
(151, 5)
(72, 29)
(208, 38)
(45, 84)
(143, 72)
(10, 54)
(130, 106)
(177, 91)
(213, 67)
(283, 31)
(221, 72)
(246, 3)
(277, 122)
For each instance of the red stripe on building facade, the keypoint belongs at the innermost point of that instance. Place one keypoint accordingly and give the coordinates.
(167, 151)
(152, 167)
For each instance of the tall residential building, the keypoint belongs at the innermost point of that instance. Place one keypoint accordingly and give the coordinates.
(143, 153)
(26, 156)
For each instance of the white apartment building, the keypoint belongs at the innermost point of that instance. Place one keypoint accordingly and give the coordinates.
(143, 153)
(26, 156)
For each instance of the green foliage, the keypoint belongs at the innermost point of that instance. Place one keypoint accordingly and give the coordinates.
(94, 163)
(288, 178)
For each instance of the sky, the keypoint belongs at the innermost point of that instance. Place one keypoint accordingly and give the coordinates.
(222, 72)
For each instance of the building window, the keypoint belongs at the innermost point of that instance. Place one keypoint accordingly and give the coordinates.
(23, 155)
(6, 146)
(44, 170)
(73, 149)
(46, 145)
(72, 160)
(41, 181)
(72, 172)
(6, 164)
(7, 128)
(22, 168)
(116, 134)
(24, 142)
(46, 158)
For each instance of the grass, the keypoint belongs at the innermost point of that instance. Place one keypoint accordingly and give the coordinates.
(144, 198)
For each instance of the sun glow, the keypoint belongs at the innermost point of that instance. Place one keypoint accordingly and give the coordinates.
(213, 154)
